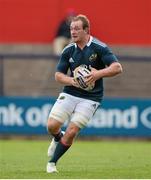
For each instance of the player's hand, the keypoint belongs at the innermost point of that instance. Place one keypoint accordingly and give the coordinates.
(74, 83)
(92, 77)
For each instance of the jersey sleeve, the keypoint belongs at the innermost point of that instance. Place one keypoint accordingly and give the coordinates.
(108, 57)
(63, 64)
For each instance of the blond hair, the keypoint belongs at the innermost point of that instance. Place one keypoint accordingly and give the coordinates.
(84, 19)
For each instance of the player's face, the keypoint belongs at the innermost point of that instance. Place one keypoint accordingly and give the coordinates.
(77, 31)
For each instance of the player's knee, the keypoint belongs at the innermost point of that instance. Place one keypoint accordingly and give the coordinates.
(70, 135)
(52, 126)
(72, 132)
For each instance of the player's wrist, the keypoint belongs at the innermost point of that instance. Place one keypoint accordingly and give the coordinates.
(71, 81)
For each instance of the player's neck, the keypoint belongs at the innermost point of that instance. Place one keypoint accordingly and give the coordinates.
(83, 43)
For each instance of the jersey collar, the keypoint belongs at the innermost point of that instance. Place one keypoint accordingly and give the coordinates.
(90, 40)
(88, 44)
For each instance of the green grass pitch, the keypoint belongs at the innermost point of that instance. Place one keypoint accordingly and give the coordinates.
(20, 159)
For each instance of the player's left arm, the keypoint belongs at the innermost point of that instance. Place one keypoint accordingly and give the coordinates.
(110, 71)
(113, 67)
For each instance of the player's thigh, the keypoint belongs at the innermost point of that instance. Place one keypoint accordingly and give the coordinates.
(63, 108)
(84, 112)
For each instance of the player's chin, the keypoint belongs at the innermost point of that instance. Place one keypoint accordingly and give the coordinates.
(75, 39)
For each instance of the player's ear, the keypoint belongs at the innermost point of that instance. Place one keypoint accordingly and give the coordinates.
(86, 30)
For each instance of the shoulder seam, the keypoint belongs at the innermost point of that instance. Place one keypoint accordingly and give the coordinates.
(99, 43)
(69, 45)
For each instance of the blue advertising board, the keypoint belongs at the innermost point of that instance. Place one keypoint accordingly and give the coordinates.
(115, 117)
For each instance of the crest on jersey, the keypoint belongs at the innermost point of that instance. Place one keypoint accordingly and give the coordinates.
(93, 57)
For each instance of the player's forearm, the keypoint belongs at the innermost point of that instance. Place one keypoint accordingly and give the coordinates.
(63, 79)
(112, 70)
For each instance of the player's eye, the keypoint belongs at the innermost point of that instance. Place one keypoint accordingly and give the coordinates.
(75, 28)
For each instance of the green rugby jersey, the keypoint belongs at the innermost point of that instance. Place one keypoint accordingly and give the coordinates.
(95, 54)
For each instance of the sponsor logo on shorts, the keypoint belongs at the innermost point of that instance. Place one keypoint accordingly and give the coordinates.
(62, 97)
(94, 106)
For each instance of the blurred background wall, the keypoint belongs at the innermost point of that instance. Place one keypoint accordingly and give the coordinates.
(27, 63)
(114, 21)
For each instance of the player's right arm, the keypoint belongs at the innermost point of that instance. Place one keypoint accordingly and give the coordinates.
(65, 79)
(62, 69)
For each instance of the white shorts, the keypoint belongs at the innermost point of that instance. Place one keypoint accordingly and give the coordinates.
(74, 109)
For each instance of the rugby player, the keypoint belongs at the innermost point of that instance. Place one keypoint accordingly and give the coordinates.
(75, 104)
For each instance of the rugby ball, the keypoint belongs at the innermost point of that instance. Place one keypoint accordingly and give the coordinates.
(80, 74)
